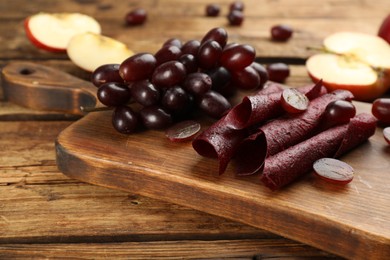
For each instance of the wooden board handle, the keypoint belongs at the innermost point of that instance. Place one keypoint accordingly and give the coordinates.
(43, 88)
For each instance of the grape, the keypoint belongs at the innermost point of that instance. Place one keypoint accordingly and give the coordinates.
(216, 34)
(106, 73)
(333, 170)
(338, 112)
(189, 62)
(124, 119)
(294, 101)
(172, 42)
(113, 94)
(197, 83)
(191, 47)
(261, 70)
(169, 74)
(381, 110)
(237, 57)
(235, 18)
(212, 10)
(183, 131)
(281, 32)
(167, 53)
(247, 79)
(145, 93)
(220, 78)
(386, 134)
(136, 17)
(237, 5)
(137, 67)
(214, 104)
(209, 54)
(278, 72)
(154, 117)
(175, 99)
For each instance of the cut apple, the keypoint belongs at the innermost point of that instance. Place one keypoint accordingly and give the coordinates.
(357, 62)
(53, 31)
(384, 29)
(91, 50)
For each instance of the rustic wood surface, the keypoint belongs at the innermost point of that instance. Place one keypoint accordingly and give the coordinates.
(44, 214)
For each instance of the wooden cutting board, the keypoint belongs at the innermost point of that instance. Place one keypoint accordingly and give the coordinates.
(351, 221)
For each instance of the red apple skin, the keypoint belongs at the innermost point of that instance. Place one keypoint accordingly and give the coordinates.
(384, 30)
(37, 43)
(362, 93)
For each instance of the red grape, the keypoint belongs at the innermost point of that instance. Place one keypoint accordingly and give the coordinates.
(212, 10)
(137, 67)
(197, 83)
(124, 119)
(136, 17)
(167, 53)
(237, 56)
(214, 104)
(278, 72)
(247, 78)
(237, 5)
(145, 93)
(106, 73)
(175, 99)
(338, 112)
(183, 131)
(191, 47)
(209, 54)
(189, 62)
(294, 101)
(154, 117)
(172, 42)
(333, 170)
(262, 71)
(386, 134)
(168, 74)
(216, 34)
(235, 18)
(281, 32)
(113, 94)
(381, 110)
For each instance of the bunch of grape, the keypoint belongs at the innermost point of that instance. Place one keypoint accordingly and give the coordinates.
(156, 90)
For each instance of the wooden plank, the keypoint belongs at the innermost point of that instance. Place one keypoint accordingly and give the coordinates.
(148, 164)
(190, 249)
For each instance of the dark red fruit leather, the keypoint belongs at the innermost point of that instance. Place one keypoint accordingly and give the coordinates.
(288, 165)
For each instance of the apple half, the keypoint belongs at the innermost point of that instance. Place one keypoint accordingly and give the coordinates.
(90, 50)
(53, 31)
(354, 61)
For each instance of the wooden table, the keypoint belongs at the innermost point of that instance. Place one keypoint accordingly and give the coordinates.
(44, 214)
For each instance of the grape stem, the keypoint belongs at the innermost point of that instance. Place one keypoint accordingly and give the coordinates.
(94, 109)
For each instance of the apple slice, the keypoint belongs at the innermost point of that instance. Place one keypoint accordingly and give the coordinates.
(90, 50)
(53, 31)
(357, 62)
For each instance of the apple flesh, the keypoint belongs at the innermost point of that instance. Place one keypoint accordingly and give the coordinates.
(357, 62)
(53, 31)
(90, 50)
(384, 29)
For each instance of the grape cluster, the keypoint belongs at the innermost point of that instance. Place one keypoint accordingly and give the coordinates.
(155, 90)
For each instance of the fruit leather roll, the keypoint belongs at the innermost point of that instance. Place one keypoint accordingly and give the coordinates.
(222, 138)
(281, 133)
(266, 104)
(288, 165)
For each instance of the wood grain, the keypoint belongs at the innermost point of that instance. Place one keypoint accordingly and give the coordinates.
(69, 218)
(148, 164)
